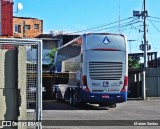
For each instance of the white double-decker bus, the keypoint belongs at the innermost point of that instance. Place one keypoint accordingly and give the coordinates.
(92, 68)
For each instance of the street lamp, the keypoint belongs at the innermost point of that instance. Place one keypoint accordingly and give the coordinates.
(131, 40)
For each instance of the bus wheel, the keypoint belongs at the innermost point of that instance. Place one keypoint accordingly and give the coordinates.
(56, 95)
(74, 104)
(113, 105)
(72, 100)
(103, 105)
(58, 99)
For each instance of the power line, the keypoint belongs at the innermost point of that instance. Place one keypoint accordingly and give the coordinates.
(112, 28)
(136, 27)
(129, 24)
(130, 30)
(122, 26)
(154, 25)
(124, 29)
(151, 39)
(154, 17)
(154, 20)
(102, 25)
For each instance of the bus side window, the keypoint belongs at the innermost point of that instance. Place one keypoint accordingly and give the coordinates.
(59, 66)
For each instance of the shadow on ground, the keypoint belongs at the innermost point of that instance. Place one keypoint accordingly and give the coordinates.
(60, 105)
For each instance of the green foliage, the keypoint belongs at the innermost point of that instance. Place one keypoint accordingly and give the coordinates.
(52, 54)
(133, 63)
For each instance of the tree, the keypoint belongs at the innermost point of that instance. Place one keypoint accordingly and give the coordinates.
(49, 90)
(133, 62)
(52, 54)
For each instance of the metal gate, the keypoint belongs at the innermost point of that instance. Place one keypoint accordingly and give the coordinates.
(21, 64)
(135, 83)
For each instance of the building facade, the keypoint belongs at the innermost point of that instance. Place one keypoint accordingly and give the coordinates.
(6, 18)
(27, 27)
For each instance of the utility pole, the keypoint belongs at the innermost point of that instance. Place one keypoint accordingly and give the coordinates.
(23, 25)
(144, 46)
(145, 41)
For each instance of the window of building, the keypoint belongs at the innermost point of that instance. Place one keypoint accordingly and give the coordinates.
(36, 26)
(27, 27)
(50, 44)
(17, 28)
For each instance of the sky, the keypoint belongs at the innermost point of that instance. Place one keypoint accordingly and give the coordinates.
(102, 15)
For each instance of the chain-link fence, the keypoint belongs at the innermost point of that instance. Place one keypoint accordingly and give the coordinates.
(21, 70)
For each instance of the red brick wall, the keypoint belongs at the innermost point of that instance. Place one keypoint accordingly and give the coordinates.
(7, 18)
(7, 46)
(31, 33)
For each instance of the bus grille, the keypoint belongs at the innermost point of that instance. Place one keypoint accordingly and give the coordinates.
(105, 70)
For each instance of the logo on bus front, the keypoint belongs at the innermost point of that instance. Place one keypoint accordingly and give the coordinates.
(106, 40)
(105, 84)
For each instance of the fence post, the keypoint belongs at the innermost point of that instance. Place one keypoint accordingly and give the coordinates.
(144, 86)
(39, 85)
(158, 89)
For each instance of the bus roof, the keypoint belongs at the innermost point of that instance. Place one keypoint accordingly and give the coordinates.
(87, 34)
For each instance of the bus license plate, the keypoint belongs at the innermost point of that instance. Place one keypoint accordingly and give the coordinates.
(105, 96)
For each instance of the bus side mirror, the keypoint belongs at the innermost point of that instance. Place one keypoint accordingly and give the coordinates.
(78, 76)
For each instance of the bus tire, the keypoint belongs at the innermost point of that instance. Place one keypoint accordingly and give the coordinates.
(70, 100)
(103, 105)
(55, 93)
(56, 96)
(73, 101)
(113, 105)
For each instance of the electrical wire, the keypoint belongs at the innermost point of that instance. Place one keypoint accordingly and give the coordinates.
(84, 30)
(122, 26)
(154, 25)
(112, 28)
(151, 40)
(154, 17)
(137, 45)
(153, 20)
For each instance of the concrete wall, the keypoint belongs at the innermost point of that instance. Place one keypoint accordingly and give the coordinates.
(8, 85)
(153, 82)
(22, 83)
(13, 84)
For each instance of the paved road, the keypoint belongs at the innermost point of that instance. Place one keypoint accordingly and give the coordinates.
(131, 110)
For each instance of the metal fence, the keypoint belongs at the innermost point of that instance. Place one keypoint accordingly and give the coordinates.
(27, 71)
(144, 84)
(152, 85)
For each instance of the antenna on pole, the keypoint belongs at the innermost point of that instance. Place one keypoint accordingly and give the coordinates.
(19, 7)
(119, 26)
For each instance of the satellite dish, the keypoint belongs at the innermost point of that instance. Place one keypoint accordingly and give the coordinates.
(20, 6)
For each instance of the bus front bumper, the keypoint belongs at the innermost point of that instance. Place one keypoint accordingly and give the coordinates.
(97, 98)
